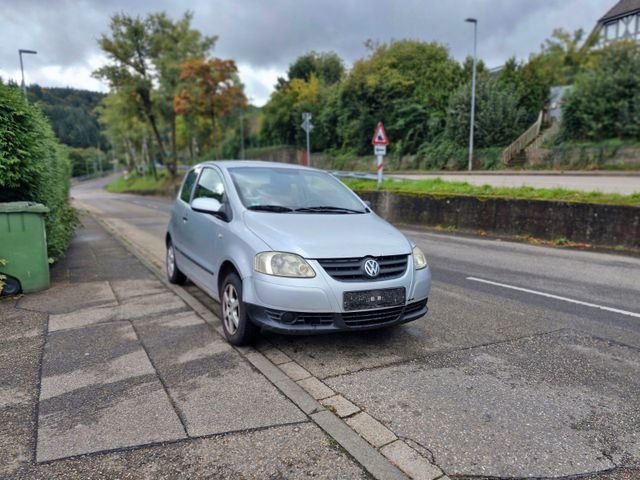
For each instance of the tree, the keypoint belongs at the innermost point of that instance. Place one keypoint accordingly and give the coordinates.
(605, 99)
(498, 121)
(173, 44)
(283, 113)
(563, 55)
(210, 88)
(130, 71)
(125, 126)
(529, 83)
(394, 78)
(327, 67)
(145, 57)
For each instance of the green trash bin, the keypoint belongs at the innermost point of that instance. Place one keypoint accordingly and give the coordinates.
(23, 244)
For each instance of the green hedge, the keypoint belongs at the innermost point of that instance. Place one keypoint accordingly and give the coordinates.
(35, 167)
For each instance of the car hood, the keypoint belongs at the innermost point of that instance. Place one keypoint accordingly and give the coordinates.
(327, 235)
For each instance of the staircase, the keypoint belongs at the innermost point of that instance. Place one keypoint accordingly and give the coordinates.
(511, 155)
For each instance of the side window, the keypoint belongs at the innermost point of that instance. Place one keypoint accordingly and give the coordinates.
(210, 185)
(187, 186)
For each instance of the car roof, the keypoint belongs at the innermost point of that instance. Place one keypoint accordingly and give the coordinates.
(251, 163)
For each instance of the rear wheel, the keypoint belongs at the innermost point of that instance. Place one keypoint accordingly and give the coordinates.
(237, 326)
(11, 287)
(174, 275)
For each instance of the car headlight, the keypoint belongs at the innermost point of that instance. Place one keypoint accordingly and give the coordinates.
(419, 260)
(283, 264)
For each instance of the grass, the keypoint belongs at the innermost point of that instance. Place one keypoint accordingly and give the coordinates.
(439, 187)
(146, 183)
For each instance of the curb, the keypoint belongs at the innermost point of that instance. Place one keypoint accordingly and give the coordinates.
(376, 448)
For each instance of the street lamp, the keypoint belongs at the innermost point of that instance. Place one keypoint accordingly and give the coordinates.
(20, 52)
(473, 89)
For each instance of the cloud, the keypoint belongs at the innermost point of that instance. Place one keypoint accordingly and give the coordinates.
(265, 37)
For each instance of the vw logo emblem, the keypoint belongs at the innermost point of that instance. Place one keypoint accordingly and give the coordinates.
(371, 268)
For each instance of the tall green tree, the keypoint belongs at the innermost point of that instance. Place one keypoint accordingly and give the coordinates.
(327, 67)
(498, 121)
(392, 81)
(173, 44)
(605, 99)
(144, 63)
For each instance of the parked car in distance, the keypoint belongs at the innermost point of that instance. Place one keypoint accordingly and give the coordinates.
(292, 250)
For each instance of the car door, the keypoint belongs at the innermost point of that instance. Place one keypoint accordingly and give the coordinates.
(204, 231)
(179, 216)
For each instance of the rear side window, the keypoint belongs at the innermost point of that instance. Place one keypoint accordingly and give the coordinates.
(187, 186)
(210, 185)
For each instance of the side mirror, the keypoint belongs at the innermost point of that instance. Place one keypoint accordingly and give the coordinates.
(206, 205)
(367, 203)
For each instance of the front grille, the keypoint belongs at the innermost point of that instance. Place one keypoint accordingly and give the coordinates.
(372, 317)
(361, 318)
(350, 269)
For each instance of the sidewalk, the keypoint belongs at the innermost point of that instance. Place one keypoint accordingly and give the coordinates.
(110, 374)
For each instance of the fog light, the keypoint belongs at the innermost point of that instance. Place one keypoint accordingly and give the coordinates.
(288, 318)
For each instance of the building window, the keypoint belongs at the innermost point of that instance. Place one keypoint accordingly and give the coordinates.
(611, 31)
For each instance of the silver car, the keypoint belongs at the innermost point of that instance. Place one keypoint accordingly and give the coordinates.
(292, 250)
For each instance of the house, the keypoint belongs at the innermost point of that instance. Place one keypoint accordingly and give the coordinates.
(621, 22)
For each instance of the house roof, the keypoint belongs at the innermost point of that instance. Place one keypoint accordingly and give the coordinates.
(620, 9)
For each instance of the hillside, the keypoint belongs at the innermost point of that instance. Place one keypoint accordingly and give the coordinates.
(71, 113)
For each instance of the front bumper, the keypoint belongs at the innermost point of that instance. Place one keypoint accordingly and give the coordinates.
(308, 323)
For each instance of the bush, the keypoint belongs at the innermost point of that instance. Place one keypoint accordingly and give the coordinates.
(499, 119)
(35, 167)
(605, 100)
(443, 154)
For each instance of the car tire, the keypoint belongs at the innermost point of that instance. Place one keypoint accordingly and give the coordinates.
(174, 275)
(237, 326)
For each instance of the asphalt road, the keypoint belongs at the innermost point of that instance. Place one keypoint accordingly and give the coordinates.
(624, 183)
(528, 363)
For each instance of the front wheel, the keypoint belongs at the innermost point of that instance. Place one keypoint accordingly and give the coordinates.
(236, 324)
(174, 275)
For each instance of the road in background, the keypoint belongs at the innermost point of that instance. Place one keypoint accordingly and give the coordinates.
(624, 183)
(517, 370)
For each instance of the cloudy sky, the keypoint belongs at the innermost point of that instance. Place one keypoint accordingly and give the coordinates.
(265, 36)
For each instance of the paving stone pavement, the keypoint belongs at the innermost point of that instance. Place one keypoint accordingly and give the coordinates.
(109, 374)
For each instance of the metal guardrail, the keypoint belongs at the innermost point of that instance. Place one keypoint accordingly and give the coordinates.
(522, 141)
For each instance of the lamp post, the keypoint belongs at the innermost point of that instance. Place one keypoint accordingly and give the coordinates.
(473, 89)
(20, 52)
(241, 136)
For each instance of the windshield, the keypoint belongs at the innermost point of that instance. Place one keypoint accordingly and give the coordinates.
(286, 190)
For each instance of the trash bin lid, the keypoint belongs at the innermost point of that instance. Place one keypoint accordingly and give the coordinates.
(22, 207)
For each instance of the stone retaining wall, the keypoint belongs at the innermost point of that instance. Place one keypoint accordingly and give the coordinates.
(601, 225)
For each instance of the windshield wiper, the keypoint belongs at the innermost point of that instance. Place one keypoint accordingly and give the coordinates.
(270, 208)
(327, 208)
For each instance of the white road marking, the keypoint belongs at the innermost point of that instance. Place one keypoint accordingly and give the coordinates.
(556, 297)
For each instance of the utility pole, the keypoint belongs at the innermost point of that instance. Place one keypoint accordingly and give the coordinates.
(473, 89)
(20, 52)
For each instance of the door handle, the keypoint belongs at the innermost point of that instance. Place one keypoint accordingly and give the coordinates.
(185, 218)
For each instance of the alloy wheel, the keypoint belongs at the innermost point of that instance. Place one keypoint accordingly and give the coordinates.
(171, 261)
(231, 309)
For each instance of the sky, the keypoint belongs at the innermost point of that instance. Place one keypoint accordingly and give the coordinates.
(265, 36)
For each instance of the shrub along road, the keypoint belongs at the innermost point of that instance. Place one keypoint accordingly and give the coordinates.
(528, 363)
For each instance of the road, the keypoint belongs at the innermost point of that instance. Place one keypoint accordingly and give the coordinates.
(528, 363)
(624, 183)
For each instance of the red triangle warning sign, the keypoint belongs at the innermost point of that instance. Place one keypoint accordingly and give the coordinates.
(380, 137)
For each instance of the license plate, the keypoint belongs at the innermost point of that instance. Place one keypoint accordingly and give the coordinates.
(361, 300)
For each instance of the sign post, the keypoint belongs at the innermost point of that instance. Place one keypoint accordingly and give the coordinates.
(307, 127)
(380, 143)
